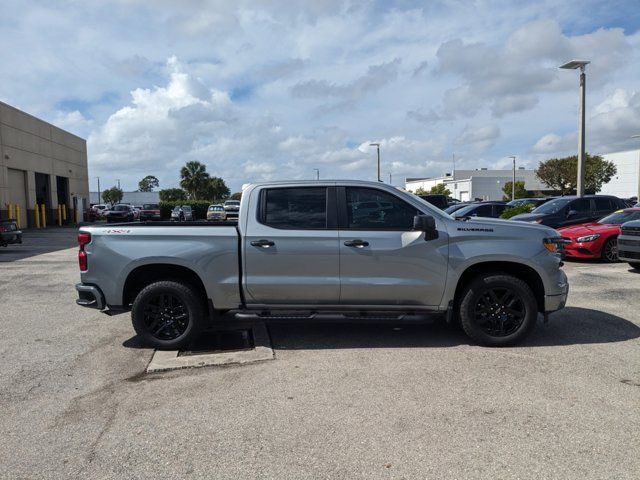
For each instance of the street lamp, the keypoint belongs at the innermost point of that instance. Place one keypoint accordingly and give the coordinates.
(638, 197)
(377, 145)
(513, 181)
(573, 65)
(317, 173)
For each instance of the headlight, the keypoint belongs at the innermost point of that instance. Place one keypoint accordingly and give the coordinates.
(587, 238)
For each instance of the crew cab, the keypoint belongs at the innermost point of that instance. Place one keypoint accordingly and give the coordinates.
(307, 250)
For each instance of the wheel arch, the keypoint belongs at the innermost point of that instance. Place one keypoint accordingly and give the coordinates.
(144, 275)
(519, 270)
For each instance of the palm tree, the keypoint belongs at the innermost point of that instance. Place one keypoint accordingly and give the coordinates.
(194, 179)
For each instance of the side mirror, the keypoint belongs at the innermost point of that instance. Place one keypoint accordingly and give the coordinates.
(426, 224)
(571, 213)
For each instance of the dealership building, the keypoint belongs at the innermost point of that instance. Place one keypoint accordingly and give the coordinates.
(480, 184)
(40, 164)
(626, 181)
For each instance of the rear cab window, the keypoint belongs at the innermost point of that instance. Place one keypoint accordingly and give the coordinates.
(294, 208)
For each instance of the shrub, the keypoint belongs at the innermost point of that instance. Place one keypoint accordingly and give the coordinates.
(517, 210)
(199, 208)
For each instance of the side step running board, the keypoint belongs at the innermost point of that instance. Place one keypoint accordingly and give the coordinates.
(335, 317)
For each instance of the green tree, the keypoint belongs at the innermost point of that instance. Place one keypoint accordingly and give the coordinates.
(195, 180)
(561, 173)
(217, 189)
(440, 189)
(521, 192)
(112, 195)
(148, 183)
(236, 196)
(172, 195)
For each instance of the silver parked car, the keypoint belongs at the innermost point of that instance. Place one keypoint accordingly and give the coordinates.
(182, 213)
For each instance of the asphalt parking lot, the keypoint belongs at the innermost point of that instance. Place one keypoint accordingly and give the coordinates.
(338, 401)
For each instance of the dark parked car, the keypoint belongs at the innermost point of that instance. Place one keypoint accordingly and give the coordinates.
(481, 209)
(9, 232)
(457, 206)
(536, 202)
(120, 213)
(572, 210)
(150, 211)
(439, 201)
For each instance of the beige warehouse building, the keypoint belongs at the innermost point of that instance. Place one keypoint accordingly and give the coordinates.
(40, 164)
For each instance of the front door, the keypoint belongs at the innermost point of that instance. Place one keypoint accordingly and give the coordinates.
(383, 261)
(291, 248)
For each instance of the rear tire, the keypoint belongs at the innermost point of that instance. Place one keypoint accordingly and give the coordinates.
(498, 310)
(635, 265)
(610, 250)
(168, 315)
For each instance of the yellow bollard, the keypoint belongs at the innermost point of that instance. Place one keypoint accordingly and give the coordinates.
(37, 212)
(10, 212)
(18, 222)
(59, 215)
(64, 212)
(43, 216)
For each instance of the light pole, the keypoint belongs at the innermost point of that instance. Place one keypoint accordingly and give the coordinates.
(390, 179)
(513, 181)
(118, 183)
(638, 192)
(99, 197)
(573, 65)
(377, 145)
(317, 173)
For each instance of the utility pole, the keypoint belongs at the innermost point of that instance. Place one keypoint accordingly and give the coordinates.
(99, 197)
(390, 179)
(317, 173)
(377, 145)
(118, 184)
(453, 174)
(638, 192)
(513, 181)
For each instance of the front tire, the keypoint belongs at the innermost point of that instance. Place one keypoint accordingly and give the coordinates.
(168, 315)
(498, 310)
(610, 250)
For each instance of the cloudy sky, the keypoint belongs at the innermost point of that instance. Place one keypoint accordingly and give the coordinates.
(261, 90)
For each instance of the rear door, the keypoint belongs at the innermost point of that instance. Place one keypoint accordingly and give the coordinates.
(291, 247)
(383, 261)
(603, 206)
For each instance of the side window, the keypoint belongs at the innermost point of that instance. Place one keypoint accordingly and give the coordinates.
(371, 209)
(604, 204)
(483, 211)
(302, 208)
(499, 209)
(581, 205)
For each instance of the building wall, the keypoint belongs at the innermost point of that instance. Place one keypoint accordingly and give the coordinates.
(30, 146)
(133, 198)
(484, 184)
(625, 182)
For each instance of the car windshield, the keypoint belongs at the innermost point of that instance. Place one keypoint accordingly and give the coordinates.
(150, 206)
(620, 217)
(121, 208)
(554, 206)
(464, 211)
(216, 208)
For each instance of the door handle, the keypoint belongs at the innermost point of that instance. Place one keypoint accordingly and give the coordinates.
(356, 243)
(263, 243)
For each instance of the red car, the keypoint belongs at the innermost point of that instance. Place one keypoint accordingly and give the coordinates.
(597, 239)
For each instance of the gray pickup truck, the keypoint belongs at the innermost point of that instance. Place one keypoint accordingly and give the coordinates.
(316, 250)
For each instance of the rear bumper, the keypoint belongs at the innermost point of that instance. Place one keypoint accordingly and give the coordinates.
(90, 296)
(150, 216)
(7, 238)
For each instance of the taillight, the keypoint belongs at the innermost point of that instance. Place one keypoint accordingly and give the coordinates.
(83, 239)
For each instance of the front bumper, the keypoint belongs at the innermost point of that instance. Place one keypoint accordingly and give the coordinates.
(582, 250)
(7, 238)
(150, 216)
(557, 301)
(90, 296)
(629, 249)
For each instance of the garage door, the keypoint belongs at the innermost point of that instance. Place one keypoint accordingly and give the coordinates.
(17, 194)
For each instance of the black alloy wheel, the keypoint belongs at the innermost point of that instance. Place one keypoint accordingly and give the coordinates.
(499, 311)
(166, 316)
(610, 250)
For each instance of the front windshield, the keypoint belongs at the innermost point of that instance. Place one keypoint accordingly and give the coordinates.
(464, 211)
(150, 206)
(120, 208)
(618, 218)
(554, 206)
